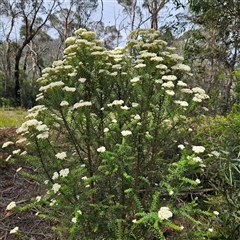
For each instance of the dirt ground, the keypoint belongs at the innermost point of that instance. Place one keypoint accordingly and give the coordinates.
(15, 187)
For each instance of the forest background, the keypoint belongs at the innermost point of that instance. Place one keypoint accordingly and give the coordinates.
(33, 33)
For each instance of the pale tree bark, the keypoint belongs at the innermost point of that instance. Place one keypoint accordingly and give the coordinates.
(134, 3)
(154, 8)
(33, 56)
(9, 11)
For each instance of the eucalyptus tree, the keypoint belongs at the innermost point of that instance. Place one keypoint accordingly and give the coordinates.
(215, 42)
(34, 18)
(10, 14)
(34, 15)
(153, 7)
(64, 21)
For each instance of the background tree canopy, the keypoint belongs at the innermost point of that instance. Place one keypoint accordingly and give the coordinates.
(205, 32)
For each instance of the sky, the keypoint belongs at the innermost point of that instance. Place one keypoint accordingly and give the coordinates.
(112, 15)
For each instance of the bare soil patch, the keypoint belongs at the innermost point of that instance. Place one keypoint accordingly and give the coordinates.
(15, 187)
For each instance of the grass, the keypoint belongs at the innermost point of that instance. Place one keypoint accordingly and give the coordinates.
(12, 117)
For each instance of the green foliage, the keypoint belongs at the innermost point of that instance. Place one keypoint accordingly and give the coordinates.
(105, 140)
(223, 172)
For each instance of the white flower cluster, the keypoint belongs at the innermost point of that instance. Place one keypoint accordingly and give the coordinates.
(169, 77)
(181, 67)
(11, 205)
(168, 84)
(135, 79)
(101, 149)
(64, 172)
(198, 149)
(181, 103)
(69, 89)
(55, 176)
(33, 112)
(199, 94)
(164, 213)
(61, 155)
(38, 125)
(115, 103)
(126, 133)
(64, 103)
(51, 85)
(82, 104)
(14, 230)
(6, 144)
(170, 92)
(56, 187)
(162, 67)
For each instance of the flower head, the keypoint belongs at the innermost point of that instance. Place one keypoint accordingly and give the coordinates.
(17, 151)
(56, 187)
(69, 89)
(181, 146)
(135, 79)
(14, 230)
(181, 103)
(171, 193)
(169, 77)
(181, 67)
(6, 144)
(126, 133)
(197, 159)
(101, 149)
(135, 104)
(216, 153)
(105, 130)
(70, 40)
(43, 135)
(197, 181)
(61, 155)
(11, 205)
(64, 172)
(198, 149)
(82, 80)
(164, 213)
(64, 103)
(53, 201)
(38, 198)
(81, 104)
(216, 213)
(168, 84)
(170, 92)
(74, 220)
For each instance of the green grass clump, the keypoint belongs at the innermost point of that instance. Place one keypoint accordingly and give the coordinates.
(12, 117)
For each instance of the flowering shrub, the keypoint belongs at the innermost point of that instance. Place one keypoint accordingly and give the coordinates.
(104, 141)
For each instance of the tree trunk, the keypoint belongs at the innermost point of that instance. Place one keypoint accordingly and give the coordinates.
(17, 77)
(134, 3)
(154, 10)
(154, 22)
